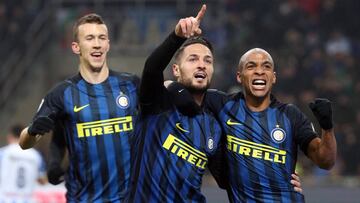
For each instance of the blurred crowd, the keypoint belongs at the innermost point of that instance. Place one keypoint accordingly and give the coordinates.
(315, 45)
(16, 17)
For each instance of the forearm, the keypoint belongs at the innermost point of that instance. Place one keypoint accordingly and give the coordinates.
(323, 151)
(162, 55)
(27, 141)
(328, 147)
(152, 76)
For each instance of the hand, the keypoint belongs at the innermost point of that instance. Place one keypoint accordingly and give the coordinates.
(167, 83)
(41, 125)
(55, 174)
(189, 26)
(295, 181)
(322, 110)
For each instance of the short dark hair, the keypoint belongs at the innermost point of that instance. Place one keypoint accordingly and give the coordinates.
(15, 130)
(190, 41)
(91, 18)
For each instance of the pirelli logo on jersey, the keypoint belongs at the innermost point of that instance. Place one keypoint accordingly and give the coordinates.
(185, 151)
(255, 150)
(103, 127)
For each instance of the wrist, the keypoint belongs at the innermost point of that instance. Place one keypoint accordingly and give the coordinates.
(176, 38)
(31, 132)
(326, 124)
(328, 130)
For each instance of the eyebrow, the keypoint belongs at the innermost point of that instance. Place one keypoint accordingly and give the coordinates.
(254, 63)
(250, 63)
(196, 55)
(267, 62)
(93, 35)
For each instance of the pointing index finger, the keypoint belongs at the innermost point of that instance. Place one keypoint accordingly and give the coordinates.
(201, 13)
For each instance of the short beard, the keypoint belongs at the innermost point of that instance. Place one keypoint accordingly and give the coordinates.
(196, 90)
(96, 69)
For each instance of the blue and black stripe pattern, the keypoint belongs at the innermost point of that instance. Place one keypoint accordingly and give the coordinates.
(172, 153)
(99, 122)
(261, 148)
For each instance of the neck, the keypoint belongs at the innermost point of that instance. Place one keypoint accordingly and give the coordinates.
(93, 76)
(257, 104)
(198, 98)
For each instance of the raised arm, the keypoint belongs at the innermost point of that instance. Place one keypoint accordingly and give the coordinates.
(322, 151)
(152, 88)
(152, 79)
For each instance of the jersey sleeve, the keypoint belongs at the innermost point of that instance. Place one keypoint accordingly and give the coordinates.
(57, 145)
(183, 99)
(215, 100)
(56, 154)
(152, 90)
(218, 166)
(136, 81)
(52, 104)
(303, 128)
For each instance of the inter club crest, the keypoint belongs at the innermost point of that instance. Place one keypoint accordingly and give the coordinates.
(123, 101)
(210, 143)
(278, 134)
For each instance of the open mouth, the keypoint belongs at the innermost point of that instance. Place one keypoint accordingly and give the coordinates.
(200, 75)
(259, 83)
(96, 54)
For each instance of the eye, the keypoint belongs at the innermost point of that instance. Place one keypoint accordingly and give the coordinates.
(267, 66)
(103, 37)
(250, 66)
(88, 38)
(192, 59)
(208, 61)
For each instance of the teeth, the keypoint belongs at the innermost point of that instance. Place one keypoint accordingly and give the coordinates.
(96, 54)
(199, 75)
(259, 82)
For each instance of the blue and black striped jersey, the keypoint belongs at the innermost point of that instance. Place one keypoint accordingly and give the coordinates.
(99, 125)
(172, 149)
(261, 147)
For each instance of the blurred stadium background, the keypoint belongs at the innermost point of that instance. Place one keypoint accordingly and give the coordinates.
(315, 45)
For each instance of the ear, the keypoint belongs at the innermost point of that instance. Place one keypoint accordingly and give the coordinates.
(176, 70)
(274, 78)
(238, 77)
(75, 47)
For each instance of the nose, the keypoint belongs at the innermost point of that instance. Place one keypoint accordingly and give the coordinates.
(96, 43)
(259, 70)
(202, 65)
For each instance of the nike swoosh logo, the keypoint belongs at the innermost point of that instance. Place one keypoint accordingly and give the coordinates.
(229, 122)
(180, 128)
(77, 109)
(181, 90)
